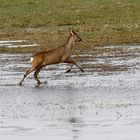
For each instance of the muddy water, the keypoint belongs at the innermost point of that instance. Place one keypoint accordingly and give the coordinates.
(103, 103)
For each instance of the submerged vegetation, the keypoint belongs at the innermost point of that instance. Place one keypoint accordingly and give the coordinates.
(46, 22)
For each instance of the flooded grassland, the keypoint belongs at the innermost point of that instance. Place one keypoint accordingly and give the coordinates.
(103, 103)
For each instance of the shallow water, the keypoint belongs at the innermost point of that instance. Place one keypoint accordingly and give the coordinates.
(16, 43)
(103, 103)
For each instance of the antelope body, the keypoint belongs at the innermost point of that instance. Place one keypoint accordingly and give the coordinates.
(58, 55)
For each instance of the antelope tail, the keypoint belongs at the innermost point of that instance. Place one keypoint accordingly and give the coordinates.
(32, 59)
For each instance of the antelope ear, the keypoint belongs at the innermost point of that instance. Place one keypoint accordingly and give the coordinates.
(71, 31)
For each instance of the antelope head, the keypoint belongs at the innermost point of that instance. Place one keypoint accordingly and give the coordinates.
(74, 36)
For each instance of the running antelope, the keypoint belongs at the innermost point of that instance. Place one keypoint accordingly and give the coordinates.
(58, 55)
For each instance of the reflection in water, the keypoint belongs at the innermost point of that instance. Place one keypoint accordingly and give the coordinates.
(73, 120)
(73, 111)
(75, 124)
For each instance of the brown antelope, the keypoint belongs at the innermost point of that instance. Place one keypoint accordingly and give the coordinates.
(60, 54)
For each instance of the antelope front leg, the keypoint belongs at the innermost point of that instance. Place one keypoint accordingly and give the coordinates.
(71, 61)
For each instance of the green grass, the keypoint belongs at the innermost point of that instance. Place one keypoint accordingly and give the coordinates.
(98, 22)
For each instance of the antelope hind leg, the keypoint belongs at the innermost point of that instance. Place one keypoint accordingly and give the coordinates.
(36, 75)
(25, 75)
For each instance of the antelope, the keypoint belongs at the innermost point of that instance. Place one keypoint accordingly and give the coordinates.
(61, 54)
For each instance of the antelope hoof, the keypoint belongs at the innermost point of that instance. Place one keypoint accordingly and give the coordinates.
(45, 82)
(39, 83)
(82, 70)
(20, 84)
(68, 71)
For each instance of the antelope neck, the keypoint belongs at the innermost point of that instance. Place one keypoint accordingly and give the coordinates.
(69, 43)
